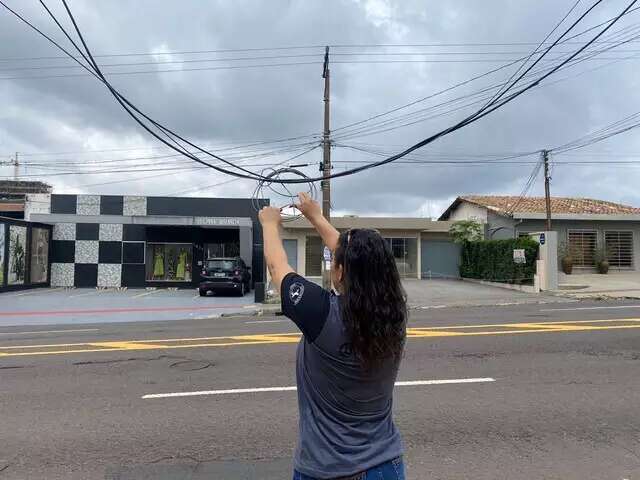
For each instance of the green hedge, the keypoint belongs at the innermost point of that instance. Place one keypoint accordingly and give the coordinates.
(492, 260)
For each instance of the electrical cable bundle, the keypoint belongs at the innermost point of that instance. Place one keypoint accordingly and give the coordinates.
(281, 191)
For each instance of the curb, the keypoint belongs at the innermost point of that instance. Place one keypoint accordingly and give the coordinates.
(258, 311)
(500, 304)
(506, 286)
(273, 309)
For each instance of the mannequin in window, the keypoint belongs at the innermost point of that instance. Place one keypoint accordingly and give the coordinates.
(158, 264)
(182, 263)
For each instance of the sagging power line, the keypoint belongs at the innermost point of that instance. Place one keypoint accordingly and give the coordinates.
(174, 141)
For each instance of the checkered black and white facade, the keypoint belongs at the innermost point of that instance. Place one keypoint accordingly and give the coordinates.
(101, 240)
(86, 253)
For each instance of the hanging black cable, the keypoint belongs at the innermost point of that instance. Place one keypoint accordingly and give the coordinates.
(126, 104)
(497, 103)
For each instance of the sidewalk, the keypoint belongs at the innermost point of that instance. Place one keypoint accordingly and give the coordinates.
(439, 293)
(593, 285)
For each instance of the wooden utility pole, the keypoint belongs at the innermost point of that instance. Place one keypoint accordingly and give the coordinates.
(547, 195)
(326, 164)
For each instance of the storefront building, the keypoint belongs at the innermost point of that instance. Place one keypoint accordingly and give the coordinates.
(24, 254)
(135, 241)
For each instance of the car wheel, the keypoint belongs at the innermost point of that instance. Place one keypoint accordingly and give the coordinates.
(203, 293)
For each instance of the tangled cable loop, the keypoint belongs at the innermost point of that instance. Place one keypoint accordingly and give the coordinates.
(281, 194)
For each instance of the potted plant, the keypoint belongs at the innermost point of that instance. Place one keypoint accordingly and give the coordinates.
(601, 261)
(566, 258)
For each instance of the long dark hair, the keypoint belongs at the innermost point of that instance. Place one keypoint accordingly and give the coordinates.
(373, 302)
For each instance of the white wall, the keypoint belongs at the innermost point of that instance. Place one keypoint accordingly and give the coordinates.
(468, 211)
(37, 203)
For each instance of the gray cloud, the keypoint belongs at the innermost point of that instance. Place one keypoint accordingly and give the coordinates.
(237, 106)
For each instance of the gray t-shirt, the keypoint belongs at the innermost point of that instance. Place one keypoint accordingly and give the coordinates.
(346, 423)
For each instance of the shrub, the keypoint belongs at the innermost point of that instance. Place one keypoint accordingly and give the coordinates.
(466, 231)
(492, 260)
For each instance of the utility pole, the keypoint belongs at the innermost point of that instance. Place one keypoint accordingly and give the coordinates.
(547, 195)
(16, 168)
(326, 165)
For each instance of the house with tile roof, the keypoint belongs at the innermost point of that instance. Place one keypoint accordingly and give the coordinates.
(583, 224)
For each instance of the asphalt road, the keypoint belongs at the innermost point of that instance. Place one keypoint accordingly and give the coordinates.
(544, 400)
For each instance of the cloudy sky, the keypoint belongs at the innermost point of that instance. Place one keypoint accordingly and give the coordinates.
(243, 79)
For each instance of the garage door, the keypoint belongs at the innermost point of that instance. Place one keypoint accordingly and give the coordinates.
(440, 258)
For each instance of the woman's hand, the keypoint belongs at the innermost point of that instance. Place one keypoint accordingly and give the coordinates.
(270, 216)
(308, 207)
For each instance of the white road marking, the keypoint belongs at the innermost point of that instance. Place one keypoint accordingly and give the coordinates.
(268, 321)
(412, 383)
(613, 307)
(292, 389)
(144, 294)
(35, 290)
(51, 331)
(92, 292)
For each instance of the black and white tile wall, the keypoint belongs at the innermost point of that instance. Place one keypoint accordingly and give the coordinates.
(91, 254)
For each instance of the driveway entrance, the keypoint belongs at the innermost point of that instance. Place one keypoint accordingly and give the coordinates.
(443, 292)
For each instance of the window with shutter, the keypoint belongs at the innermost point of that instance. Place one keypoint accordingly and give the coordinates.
(619, 248)
(313, 257)
(582, 245)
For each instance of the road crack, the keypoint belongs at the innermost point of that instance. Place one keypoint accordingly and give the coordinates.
(174, 457)
(130, 359)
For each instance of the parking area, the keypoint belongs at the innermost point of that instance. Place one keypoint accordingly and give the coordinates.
(440, 293)
(44, 306)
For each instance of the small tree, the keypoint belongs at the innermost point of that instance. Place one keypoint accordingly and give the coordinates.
(466, 231)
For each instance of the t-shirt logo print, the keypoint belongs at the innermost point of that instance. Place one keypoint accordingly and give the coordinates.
(296, 290)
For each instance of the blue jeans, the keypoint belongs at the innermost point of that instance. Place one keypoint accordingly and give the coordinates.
(391, 470)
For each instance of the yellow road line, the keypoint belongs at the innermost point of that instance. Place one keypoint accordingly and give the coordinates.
(281, 337)
(125, 345)
(436, 333)
(284, 338)
(486, 325)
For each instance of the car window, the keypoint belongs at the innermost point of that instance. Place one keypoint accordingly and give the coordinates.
(219, 264)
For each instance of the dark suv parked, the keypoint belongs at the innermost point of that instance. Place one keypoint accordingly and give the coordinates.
(225, 274)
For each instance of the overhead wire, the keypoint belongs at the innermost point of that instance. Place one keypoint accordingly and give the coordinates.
(477, 77)
(495, 104)
(93, 68)
(301, 47)
(489, 108)
(618, 127)
(511, 82)
(393, 124)
(527, 187)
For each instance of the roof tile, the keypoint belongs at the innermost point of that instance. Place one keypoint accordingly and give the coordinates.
(506, 204)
